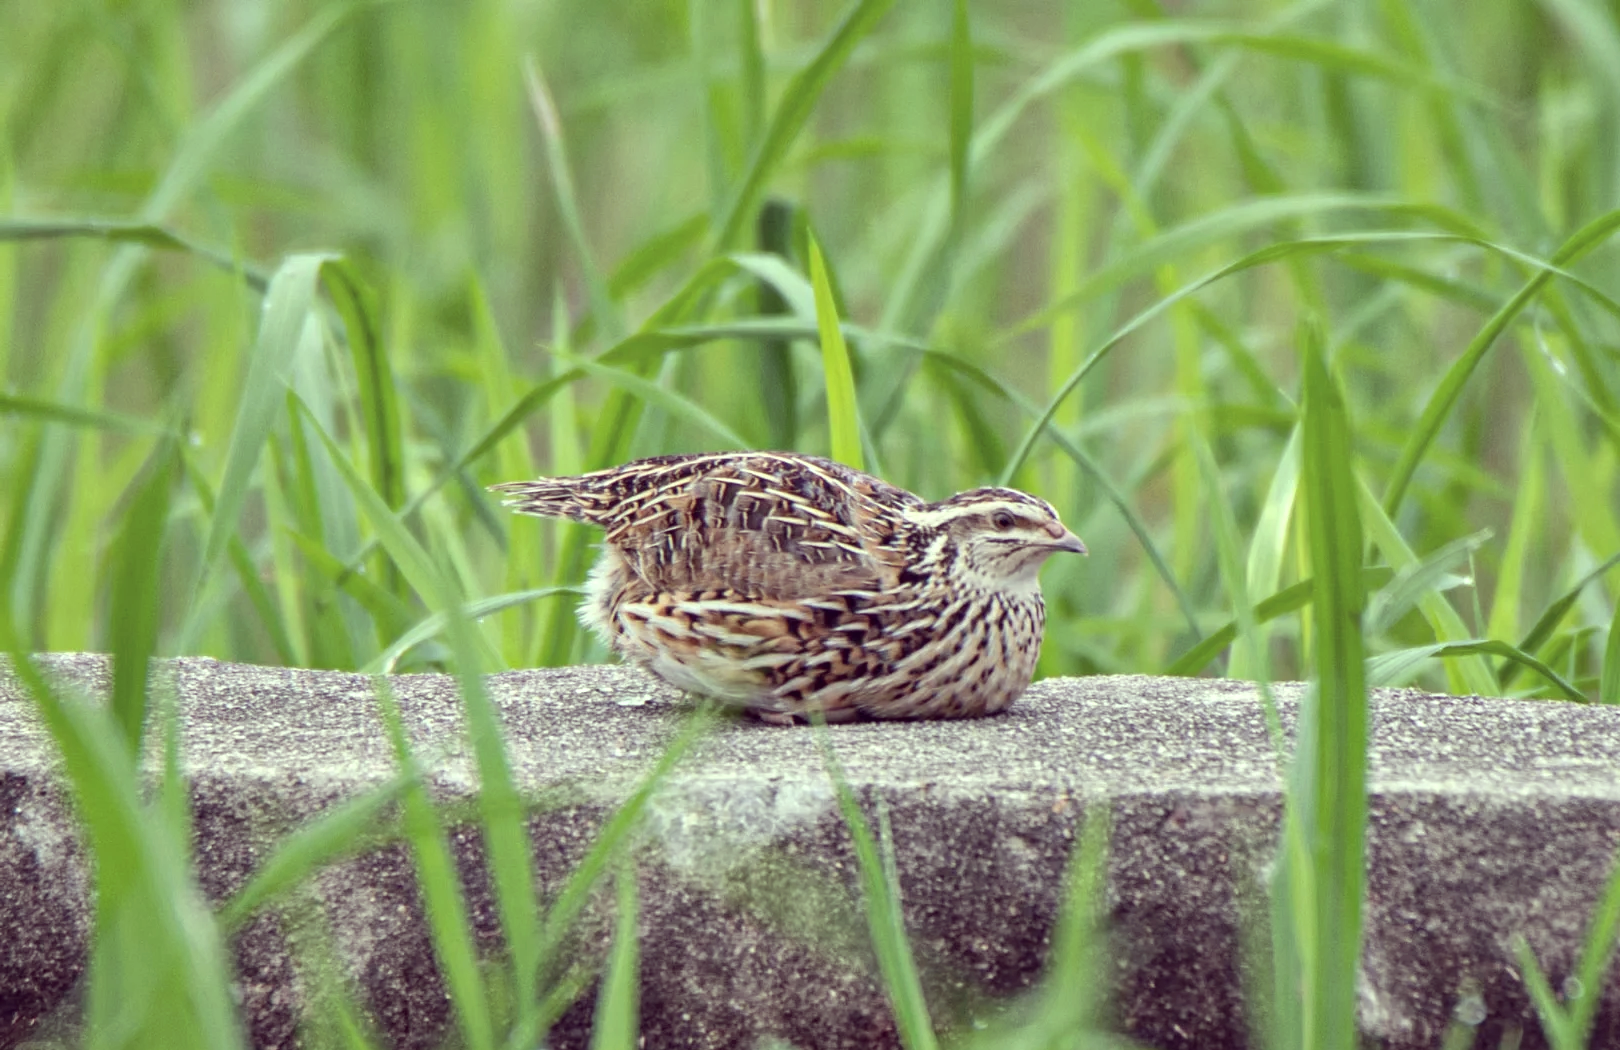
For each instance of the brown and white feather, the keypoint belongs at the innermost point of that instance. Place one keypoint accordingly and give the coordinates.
(787, 583)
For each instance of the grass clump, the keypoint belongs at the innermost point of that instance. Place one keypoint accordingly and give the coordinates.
(1066, 247)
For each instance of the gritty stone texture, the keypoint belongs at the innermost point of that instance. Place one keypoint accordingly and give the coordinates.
(1489, 818)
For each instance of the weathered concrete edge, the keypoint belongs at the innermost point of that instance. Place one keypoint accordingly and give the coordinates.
(980, 863)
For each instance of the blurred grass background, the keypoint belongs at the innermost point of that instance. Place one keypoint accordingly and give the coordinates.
(512, 183)
(283, 286)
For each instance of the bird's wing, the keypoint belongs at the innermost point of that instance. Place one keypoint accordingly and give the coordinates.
(768, 526)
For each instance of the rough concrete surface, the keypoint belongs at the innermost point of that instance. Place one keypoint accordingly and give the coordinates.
(1488, 818)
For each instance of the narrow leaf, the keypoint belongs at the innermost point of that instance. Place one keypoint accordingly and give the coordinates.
(333, 835)
(880, 894)
(287, 308)
(135, 606)
(843, 425)
(1330, 775)
(435, 624)
(618, 1005)
(1394, 668)
(1438, 408)
(798, 100)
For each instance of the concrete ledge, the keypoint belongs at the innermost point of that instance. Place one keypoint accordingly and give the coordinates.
(1488, 818)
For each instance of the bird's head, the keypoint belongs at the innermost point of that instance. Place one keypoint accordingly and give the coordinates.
(1001, 536)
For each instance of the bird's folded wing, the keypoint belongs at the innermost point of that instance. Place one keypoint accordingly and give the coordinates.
(765, 526)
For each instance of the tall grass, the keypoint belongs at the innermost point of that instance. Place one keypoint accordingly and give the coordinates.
(283, 287)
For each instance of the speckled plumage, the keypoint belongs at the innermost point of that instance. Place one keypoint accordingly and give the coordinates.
(786, 583)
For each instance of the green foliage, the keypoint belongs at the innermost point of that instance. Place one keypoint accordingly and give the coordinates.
(1567, 1018)
(843, 425)
(136, 562)
(1328, 789)
(158, 971)
(880, 895)
(1072, 246)
(618, 1004)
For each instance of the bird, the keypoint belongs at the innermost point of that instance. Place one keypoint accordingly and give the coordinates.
(789, 585)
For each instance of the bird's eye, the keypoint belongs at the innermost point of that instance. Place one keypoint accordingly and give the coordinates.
(1002, 520)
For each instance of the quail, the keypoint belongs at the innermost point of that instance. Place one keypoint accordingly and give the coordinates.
(788, 584)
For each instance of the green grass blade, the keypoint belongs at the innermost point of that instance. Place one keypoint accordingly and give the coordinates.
(1066, 1005)
(1265, 256)
(148, 902)
(603, 309)
(558, 998)
(413, 561)
(985, 449)
(1180, 242)
(1473, 674)
(247, 574)
(778, 382)
(1089, 465)
(1591, 27)
(618, 1004)
(884, 920)
(1412, 582)
(797, 102)
(1394, 668)
(656, 254)
(925, 283)
(204, 138)
(1331, 764)
(389, 613)
(134, 606)
(1263, 569)
(502, 810)
(1438, 408)
(961, 109)
(653, 393)
(1289, 599)
(1573, 451)
(1597, 955)
(1133, 521)
(575, 893)
(287, 308)
(1555, 1023)
(1233, 574)
(1077, 942)
(778, 272)
(335, 834)
(1524, 531)
(843, 422)
(1609, 684)
(54, 412)
(651, 340)
(1291, 926)
(333, 1019)
(1583, 242)
(1555, 612)
(751, 71)
(721, 135)
(1465, 293)
(431, 627)
(571, 899)
(313, 504)
(1125, 40)
(1268, 545)
(145, 234)
(506, 834)
(436, 880)
(379, 396)
(196, 151)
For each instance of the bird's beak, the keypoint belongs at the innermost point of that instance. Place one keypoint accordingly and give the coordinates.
(1069, 542)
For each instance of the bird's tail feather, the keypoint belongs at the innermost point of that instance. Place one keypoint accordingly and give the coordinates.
(554, 498)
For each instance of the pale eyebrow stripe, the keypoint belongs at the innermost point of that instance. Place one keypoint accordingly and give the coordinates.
(935, 518)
